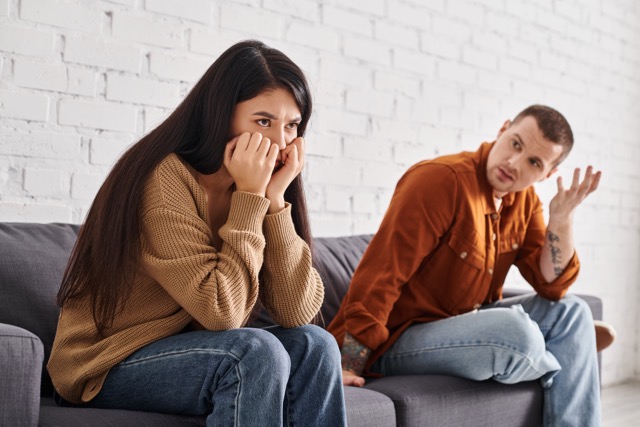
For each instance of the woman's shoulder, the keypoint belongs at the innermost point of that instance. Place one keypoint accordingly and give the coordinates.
(172, 186)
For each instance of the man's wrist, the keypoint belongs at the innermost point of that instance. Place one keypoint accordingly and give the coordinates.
(354, 355)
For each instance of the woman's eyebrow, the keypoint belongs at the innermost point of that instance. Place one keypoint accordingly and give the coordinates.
(273, 117)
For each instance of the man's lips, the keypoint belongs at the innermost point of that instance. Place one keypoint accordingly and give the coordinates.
(504, 175)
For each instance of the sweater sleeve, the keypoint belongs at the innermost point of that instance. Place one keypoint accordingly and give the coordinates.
(292, 290)
(528, 260)
(217, 288)
(419, 214)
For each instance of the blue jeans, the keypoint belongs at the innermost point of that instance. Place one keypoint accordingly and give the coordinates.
(240, 377)
(523, 338)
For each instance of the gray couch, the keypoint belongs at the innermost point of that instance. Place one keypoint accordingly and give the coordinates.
(32, 260)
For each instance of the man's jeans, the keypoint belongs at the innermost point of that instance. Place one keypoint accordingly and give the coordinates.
(517, 339)
(240, 377)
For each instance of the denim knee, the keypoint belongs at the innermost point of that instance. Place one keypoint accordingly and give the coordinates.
(518, 330)
(264, 352)
(320, 346)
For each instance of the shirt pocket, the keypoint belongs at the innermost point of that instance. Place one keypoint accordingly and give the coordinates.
(464, 278)
(468, 250)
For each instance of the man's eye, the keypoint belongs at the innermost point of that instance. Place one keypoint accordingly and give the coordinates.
(535, 163)
(263, 122)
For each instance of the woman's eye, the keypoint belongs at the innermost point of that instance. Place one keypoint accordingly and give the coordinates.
(515, 144)
(535, 163)
(292, 125)
(263, 122)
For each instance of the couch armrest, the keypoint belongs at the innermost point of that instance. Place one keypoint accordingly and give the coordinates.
(21, 359)
(594, 302)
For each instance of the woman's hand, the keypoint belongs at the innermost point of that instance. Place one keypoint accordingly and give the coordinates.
(250, 160)
(292, 163)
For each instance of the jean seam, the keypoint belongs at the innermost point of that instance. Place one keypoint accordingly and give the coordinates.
(236, 417)
(175, 353)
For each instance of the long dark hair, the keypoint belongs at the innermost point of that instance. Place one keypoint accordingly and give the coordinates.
(105, 258)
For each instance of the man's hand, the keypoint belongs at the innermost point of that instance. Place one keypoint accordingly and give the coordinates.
(354, 357)
(349, 378)
(565, 201)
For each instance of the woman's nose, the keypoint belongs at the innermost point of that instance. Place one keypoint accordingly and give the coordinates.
(278, 138)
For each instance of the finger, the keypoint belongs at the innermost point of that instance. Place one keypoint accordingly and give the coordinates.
(292, 156)
(272, 154)
(596, 182)
(560, 186)
(300, 143)
(254, 142)
(576, 179)
(265, 146)
(243, 141)
(229, 150)
(586, 183)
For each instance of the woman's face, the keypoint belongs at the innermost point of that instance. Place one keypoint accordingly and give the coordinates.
(274, 113)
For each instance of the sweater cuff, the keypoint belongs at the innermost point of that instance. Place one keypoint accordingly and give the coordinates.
(247, 211)
(279, 229)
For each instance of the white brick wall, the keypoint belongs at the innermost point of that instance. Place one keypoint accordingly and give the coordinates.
(395, 81)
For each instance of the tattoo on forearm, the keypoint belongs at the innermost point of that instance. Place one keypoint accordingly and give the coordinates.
(354, 355)
(556, 253)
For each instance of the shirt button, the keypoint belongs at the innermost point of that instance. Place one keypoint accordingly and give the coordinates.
(477, 306)
(494, 216)
(463, 255)
(514, 246)
(494, 236)
(491, 271)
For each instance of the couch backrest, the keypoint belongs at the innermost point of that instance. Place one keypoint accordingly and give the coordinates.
(336, 258)
(33, 258)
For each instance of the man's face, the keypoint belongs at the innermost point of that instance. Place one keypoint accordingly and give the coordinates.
(520, 157)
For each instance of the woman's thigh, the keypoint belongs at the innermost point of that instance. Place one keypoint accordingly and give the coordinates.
(180, 374)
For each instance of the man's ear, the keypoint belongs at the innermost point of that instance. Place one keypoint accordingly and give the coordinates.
(504, 127)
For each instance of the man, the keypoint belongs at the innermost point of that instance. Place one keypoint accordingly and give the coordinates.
(427, 295)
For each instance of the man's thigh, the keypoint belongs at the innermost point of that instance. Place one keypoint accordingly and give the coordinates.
(478, 345)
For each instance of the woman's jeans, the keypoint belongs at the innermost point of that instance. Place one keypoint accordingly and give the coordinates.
(517, 339)
(240, 377)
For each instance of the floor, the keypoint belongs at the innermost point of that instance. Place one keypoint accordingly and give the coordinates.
(621, 405)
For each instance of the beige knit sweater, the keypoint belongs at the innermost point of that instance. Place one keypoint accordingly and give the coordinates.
(183, 278)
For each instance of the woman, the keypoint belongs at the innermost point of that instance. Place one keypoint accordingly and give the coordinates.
(196, 222)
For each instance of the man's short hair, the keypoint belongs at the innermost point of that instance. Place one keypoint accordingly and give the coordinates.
(553, 126)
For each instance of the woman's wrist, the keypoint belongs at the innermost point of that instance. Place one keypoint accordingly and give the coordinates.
(276, 205)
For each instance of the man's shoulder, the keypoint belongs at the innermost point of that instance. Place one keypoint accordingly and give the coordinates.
(447, 167)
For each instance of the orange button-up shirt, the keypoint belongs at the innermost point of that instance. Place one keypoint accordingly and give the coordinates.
(443, 249)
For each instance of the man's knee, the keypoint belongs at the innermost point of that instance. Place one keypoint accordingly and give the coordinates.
(517, 331)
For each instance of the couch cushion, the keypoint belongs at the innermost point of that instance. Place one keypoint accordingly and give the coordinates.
(368, 408)
(444, 401)
(52, 415)
(32, 260)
